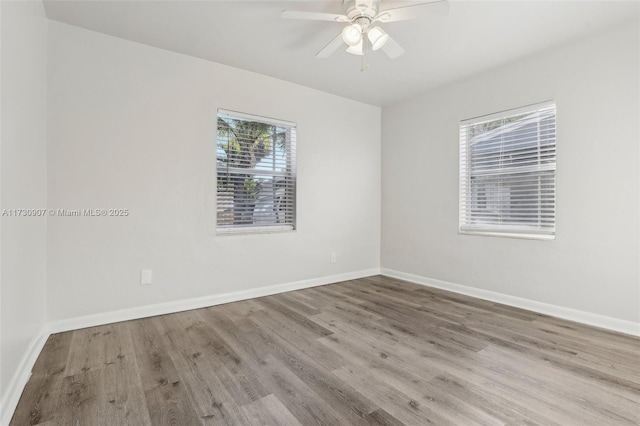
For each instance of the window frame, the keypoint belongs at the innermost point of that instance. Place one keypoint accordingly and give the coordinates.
(510, 230)
(290, 174)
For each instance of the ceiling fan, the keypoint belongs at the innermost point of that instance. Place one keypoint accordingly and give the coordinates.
(362, 30)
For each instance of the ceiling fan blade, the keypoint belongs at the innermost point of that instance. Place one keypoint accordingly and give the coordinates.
(331, 47)
(392, 48)
(415, 11)
(313, 16)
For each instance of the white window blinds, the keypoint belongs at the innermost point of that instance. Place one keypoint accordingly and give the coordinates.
(508, 173)
(256, 173)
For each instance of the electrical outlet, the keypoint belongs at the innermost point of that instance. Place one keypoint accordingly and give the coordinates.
(145, 277)
(334, 257)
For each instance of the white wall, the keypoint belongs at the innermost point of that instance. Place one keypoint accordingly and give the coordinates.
(134, 127)
(593, 263)
(23, 185)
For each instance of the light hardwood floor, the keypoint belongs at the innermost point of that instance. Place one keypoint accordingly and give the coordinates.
(369, 351)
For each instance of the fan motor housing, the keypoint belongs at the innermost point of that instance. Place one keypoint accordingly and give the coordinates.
(358, 9)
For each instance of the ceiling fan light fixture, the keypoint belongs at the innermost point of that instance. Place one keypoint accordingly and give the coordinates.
(352, 34)
(356, 50)
(378, 37)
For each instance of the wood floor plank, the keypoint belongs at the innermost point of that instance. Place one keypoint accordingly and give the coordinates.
(405, 408)
(240, 381)
(344, 399)
(372, 351)
(198, 371)
(78, 399)
(336, 302)
(380, 418)
(571, 334)
(95, 346)
(123, 401)
(166, 398)
(496, 406)
(53, 359)
(294, 393)
(299, 398)
(38, 401)
(605, 362)
(302, 306)
(294, 378)
(269, 411)
(240, 310)
(448, 406)
(559, 383)
(310, 347)
(39, 396)
(292, 316)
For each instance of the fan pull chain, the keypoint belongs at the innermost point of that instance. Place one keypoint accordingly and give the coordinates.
(365, 65)
(365, 50)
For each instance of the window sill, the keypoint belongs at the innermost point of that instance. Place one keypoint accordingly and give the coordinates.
(254, 230)
(543, 237)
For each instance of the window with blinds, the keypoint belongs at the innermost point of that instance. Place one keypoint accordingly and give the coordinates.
(256, 174)
(508, 173)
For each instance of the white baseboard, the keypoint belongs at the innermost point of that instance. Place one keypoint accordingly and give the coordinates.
(200, 302)
(597, 320)
(21, 376)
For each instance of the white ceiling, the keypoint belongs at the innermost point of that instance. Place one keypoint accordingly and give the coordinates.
(475, 36)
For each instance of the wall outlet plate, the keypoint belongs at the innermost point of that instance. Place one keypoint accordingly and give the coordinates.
(145, 277)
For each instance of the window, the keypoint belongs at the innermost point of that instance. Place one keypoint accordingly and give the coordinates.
(508, 173)
(256, 174)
